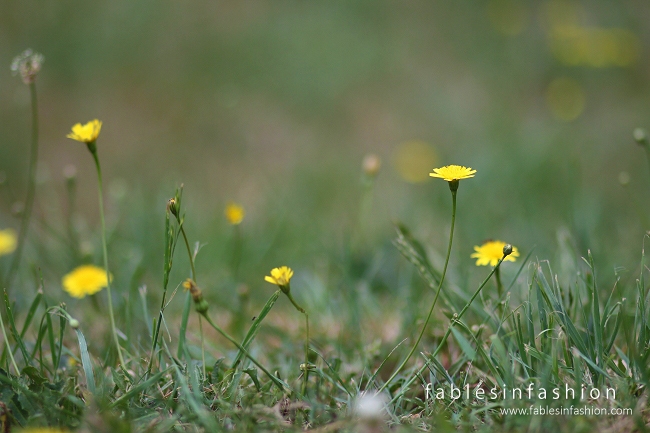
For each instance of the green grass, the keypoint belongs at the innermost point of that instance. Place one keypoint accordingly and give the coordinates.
(370, 254)
(541, 331)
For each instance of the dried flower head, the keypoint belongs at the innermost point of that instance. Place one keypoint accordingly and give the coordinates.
(27, 64)
(200, 304)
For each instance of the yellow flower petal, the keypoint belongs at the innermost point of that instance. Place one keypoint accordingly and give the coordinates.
(452, 172)
(234, 213)
(8, 241)
(84, 280)
(280, 276)
(86, 133)
(491, 252)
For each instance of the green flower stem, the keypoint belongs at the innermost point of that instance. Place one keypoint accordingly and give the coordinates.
(6, 340)
(306, 365)
(93, 150)
(189, 252)
(497, 275)
(442, 279)
(454, 320)
(31, 189)
(279, 383)
(181, 340)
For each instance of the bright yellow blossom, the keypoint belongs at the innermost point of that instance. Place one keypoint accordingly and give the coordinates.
(280, 276)
(87, 133)
(8, 241)
(491, 252)
(85, 280)
(451, 173)
(234, 213)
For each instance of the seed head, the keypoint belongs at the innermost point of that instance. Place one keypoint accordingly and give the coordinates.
(27, 64)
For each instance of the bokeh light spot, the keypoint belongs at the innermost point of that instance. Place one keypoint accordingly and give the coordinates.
(565, 98)
(414, 160)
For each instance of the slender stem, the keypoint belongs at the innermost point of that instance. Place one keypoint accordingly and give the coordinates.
(169, 251)
(185, 317)
(305, 376)
(202, 347)
(275, 380)
(189, 252)
(11, 354)
(497, 274)
(454, 320)
(306, 364)
(442, 279)
(647, 152)
(105, 251)
(31, 189)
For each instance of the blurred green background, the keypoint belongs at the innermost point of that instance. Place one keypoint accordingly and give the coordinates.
(274, 104)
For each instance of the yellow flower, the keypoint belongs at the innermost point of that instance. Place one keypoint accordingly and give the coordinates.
(8, 241)
(234, 213)
(87, 133)
(451, 173)
(491, 252)
(280, 276)
(85, 280)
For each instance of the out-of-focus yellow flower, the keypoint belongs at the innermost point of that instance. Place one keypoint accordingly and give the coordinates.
(280, 276)
(85, 280)
(87, 133)
(491, 252)
(8, 241)
(451, 173)
(413, 160)
(234, 213)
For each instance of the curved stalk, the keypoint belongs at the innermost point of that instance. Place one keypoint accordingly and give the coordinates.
(442, 279)
(31, 189)
(455, 319)
(93, 150)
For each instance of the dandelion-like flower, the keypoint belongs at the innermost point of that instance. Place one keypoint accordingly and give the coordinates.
(27, 64)
(8, 241)
(491, 252)
(85, 280)
(280, 277)
(87, 133)
(452, 173)
(234, 213)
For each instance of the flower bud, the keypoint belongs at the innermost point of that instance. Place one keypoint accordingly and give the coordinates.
(200, 304)
(172, 206)
(640, 136)
(624, 178)
(74, 323)
(507, 250)
(371, 165)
